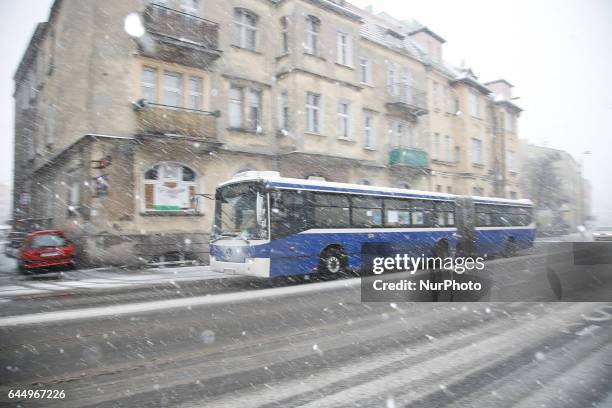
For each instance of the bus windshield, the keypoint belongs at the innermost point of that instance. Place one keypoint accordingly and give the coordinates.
(240, 211)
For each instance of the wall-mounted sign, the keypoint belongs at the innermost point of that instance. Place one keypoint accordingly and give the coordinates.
(25, 199)
(102, 163)
(171, 197)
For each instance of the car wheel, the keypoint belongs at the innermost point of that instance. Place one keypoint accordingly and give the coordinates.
(332, 261)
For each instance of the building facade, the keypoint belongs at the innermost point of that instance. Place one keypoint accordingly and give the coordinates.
(130, 112)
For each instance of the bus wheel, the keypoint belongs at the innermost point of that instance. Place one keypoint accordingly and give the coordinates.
(332, 260)
(510, 248)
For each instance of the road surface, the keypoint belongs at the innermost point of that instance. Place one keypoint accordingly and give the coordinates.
(246, 342)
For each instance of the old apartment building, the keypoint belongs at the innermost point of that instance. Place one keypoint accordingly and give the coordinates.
(123, 125)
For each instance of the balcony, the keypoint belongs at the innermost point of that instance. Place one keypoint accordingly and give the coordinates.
(179, 37)
(406, 156)
(164, 120)
(405, 99)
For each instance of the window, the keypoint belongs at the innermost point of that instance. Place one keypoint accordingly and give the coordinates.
(399, 130)
(313, 26)
(313, 102)
(445, 214)
(287, 212)
(190, 7)
(368, 130)
(284, 110)
(393, 79)
(511, 161)
(284, 39)
(509, 122)
(447, 149)
(434, 93)
(457, 154)
(447, 104)
(194, 96)
(173, 88)
(344, 120)
(344, 49)
(449, 189)
(365, 182)
(365, 73)
(236, 100)
(254, 110)
(366, 211)
(476, 151)
(478, 191)
(50, 125)
(437, 146)
(169, 187)
(329, 210)
(148, 84)
(74, 192)
(408, 212)
(438, 188)
(245, 29)
(513, 195)
(474, 104)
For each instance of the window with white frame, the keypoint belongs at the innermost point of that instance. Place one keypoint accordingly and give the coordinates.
(284, 35)
(511, 161)
(344, 120)
(169, 187)
(313, 27)
(509, 122)
(245, 29)
(173, 88)
(476, 151)
(447, 105)
(365, 70)
(236, 107)
(344, 49)
(436, 141)
(397, 128)
(474, 104)
(254, 110)
(447, 148)
(368, 130)
(194, 93)
(148, 84)
(434, 94)
(313, 106)
(284, 110)
(393, 78)
(190, 7)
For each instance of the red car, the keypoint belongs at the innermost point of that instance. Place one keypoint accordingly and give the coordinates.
(44, 250)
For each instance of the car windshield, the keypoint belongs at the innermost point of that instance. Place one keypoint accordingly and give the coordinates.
(48, 241)
(240, 212)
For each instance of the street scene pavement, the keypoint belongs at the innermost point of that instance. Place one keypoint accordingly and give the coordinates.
(188, 337)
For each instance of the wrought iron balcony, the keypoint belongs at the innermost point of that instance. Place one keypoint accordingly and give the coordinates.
(407, 99)
(408, 156)
(180, 37)
(167, 120)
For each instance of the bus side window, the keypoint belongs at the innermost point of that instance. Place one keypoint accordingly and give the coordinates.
(367, 211)
(287, 214)
(397, 212)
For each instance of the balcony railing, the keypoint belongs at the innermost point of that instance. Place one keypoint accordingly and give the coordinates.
(408, 156)
(167, 120)
(408, 98)
(180, 37)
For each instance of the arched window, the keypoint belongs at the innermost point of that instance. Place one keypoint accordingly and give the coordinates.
(169, 187)
(245, 29)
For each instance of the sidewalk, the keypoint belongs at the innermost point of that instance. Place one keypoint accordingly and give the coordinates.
(14, 285)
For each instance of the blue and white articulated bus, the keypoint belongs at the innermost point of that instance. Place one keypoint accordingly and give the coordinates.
(266, 225)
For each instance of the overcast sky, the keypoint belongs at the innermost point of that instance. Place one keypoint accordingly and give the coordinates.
(557, 53)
